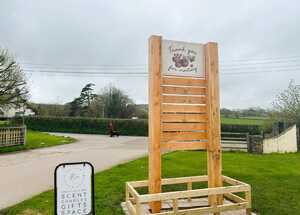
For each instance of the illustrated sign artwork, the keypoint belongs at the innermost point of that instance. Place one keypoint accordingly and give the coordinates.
(74, 189)
(182, 58)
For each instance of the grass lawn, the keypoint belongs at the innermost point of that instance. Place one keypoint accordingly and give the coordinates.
(35, 139)
(242, 121)
(274, 179)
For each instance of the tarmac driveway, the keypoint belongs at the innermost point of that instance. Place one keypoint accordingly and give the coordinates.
(25, 174)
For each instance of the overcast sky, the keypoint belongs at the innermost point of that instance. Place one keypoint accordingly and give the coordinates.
(258, 41)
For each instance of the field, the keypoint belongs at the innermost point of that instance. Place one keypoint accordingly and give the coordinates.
(35, 139)
(243, 121)
(274, 179)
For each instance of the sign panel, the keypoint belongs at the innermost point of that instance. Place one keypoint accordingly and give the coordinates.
(74, 189)
(182, 58)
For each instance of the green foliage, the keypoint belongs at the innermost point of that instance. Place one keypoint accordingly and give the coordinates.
(35, 139)
(81, 106)
(49, 109)
(116, 103)
(274, 180)
(133, 127)
(251, 129)
(248, 112)
(111, 102)
(243, 121)
(136, 127)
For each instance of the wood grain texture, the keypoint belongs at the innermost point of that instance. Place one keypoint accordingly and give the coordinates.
(154, 119)
(184, 146)
(183, 126)
(178, 108)
(169, 117)
(184, 99)
(214, 126)
(184, 90)
(167, 80)
(185, 135)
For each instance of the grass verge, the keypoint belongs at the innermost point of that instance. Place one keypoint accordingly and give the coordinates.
(35, 139)
(274, 179)
(243, 121)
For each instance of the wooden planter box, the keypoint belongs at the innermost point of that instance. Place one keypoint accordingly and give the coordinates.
(187, 201)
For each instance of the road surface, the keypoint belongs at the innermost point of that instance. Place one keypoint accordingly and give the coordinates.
(25, 174)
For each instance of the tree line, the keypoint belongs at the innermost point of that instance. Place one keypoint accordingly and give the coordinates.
(110, 102)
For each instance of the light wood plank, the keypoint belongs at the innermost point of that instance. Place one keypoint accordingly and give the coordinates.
(177, 108)
(167, 80)
(168, 181)
(184, 90)
(184, 145)
(214, 126)
(184, 99)
(154, 119)
(193, 193)
(208, 210)
(168, 117)
(186, 135)
(183, 126)
(234, 198)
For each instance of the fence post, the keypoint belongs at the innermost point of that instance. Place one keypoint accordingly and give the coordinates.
(298, 138)
(24, 135)
(249, 146)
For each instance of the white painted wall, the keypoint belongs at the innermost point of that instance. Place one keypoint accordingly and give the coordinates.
(285, 142)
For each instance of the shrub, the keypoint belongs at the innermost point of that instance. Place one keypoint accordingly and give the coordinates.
(251, 129)
(133, 127)
(86, 125)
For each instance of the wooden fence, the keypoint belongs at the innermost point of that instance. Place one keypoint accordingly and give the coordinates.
(12, 136)
(235, 141)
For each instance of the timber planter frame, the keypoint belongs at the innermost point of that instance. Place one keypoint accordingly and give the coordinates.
(184, 114)
(136, 202)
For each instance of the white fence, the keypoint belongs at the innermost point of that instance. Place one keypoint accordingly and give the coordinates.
(285, 142)
(234, 141)
(12, 136)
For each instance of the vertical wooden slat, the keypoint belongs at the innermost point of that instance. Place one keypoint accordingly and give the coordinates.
(175, 206)
(154, 119)
(214, 129)
(189, 187)
(248, 199)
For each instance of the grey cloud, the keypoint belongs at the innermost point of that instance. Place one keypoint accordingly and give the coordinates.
(115, 32)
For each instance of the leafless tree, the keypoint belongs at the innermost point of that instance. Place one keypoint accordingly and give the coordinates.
(13, 89)
(287, 104)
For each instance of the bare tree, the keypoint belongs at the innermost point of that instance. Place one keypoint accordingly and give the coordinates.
(13, 90)
(117, 103)
(287, 104)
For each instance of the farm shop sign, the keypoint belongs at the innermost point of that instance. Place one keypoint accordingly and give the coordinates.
(74, 189)
(182, 58)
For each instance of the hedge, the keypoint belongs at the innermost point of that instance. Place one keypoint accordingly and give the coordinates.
(133, 127)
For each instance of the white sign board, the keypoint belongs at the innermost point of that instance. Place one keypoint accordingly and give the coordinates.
(182, 58)
(74, 189)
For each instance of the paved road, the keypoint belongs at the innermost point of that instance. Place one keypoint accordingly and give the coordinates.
(25, 174)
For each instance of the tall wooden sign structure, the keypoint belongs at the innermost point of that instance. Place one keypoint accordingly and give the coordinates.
(183, 109)
(184, 114)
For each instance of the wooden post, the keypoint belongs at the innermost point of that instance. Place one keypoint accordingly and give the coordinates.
(248, 199)
(189, 187)
(214, 129)
(154, 119)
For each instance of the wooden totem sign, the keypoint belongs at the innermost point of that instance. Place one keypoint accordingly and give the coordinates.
(184, 114)
(184, 106)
